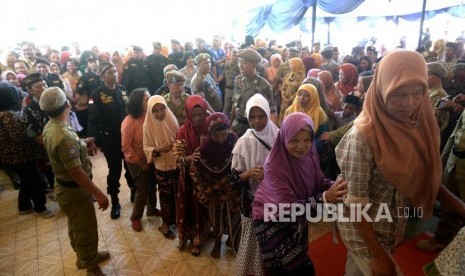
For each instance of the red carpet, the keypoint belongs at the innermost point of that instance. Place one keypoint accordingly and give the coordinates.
(329, 259)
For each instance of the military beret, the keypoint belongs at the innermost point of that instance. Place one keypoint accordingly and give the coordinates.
(201, 57)
(175, 76)
(137, 48)
(293, 49)
(436, 68)
(52, 99)
(42, 60)
(174, 41)
(157, 45)
(249, 55)
(104, 66)
(169, 67)
(92, 56)
(351, 99)
(32, 78)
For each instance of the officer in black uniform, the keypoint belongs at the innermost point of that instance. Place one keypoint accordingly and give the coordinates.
(42, 66)
(135, 71)
(105, 118)
(87, 84)
(177, 55)
(155, 64)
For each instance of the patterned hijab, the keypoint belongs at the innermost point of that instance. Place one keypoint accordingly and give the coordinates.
(313, 109)
(158, 134)
(298, 70)
(407, 151)
(216, 158)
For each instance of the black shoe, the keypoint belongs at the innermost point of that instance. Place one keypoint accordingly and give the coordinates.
(115, 211)
(133, 194)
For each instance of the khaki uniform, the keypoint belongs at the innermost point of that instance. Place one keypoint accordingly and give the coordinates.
(244, 89)
(442, 117)
(179, 111)
(67, 151)
(453, 157)
(231, 71)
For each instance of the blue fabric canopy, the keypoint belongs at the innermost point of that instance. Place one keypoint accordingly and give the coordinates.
(282, 15)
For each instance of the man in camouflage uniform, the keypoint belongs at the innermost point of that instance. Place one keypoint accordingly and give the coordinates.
(176, 98)
(203, 83)
(246, 85)
(230, 72)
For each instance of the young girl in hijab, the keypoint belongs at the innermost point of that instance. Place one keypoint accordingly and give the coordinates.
(291, 175)
(308, 102)
(291, 83)
(160, 129)
(190, 215)
(210, 174)
(248, 158)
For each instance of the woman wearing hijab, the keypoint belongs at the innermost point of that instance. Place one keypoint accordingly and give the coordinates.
(272, 78)
(248, 158)
(190, 215)
(390, 158)
(132, 146)
(307, 101)
(160, 129)
(332, 97)
(348, 78)
(292, 175)
(17, 153)
(210, 174)
(291, 83)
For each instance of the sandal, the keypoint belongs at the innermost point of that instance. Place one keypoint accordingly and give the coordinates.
(168, 234)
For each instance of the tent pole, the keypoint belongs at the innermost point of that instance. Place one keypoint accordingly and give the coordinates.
(313, 22)
(421, 23)
(329, 33)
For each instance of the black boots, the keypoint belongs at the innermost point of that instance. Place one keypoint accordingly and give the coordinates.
(115, 207)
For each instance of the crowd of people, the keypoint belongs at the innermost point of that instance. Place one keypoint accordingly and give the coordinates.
(218, 132)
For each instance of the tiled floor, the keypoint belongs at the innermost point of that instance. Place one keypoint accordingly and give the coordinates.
(36, 246)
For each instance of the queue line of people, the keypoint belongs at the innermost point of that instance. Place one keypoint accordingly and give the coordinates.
(201, 129)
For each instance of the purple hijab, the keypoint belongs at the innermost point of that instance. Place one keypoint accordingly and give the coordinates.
(289, 179)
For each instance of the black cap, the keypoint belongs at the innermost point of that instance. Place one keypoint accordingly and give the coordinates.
(352, 99)
(137, 48)
(175, 41)
(42, 60)
(32, 78)
(91, 56)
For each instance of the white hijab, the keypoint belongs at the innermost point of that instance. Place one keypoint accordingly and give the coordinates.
(158, 134)
(249, 152)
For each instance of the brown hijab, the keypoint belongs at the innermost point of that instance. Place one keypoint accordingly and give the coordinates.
(406, 152)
